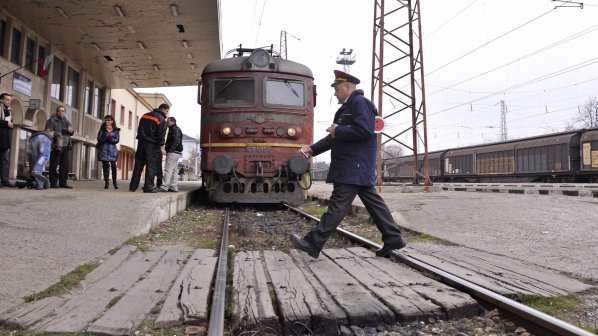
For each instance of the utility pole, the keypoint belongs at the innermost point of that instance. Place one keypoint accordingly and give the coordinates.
(346, 58)
(503, 121)
(398, 56)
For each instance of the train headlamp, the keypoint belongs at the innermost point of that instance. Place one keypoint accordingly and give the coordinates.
(225, 130)
(259, 58)
(291, 131)
(238, 131)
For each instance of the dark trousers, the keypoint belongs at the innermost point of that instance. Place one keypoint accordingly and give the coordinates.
(147, 155)
(60, 159)
(4, 163)
(340, 204)
(106, 167)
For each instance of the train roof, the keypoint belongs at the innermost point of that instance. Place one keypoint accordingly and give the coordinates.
(590, 135)
(240, 64)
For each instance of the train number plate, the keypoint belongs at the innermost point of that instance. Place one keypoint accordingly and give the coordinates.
(259, 149)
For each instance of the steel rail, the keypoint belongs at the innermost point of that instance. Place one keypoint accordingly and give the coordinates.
(216, 323)
(540, 321)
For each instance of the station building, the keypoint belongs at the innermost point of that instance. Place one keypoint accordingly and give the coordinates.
(88, 57)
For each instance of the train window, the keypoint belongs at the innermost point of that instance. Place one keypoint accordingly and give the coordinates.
(285, 92)
(233, 92)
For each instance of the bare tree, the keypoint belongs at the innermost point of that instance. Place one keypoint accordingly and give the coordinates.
(588, 113)
(392, 151)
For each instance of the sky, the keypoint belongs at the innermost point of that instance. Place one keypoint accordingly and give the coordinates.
(541, 61)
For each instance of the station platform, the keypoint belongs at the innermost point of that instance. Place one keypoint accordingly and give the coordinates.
(44, 237)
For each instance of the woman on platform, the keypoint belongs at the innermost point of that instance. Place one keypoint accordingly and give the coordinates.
(108, 137)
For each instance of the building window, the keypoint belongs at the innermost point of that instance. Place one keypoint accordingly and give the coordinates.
(87, 107)
(57, 88)
(2, 37)
(41, 54)
(29, 55)
(130, 119)
(122, 115)
(113, 110)
(15, 53)
(98, 97)
(72, 88)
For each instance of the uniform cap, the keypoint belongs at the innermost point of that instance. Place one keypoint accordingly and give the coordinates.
(342, 77)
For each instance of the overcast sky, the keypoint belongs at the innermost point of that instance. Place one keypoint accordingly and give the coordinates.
(541, 61)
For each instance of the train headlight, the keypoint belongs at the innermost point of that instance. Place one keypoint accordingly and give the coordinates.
(259, 58)
(225, 130)
(291, 131)
(238, 131)
(280, 131)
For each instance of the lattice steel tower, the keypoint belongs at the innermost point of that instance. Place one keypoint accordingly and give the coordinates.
(398, 77)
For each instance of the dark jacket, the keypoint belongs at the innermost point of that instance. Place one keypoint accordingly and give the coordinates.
(152, 128)
(61, 126)
(107, 150)
(353, 148)
(5, 131)
(174, 142)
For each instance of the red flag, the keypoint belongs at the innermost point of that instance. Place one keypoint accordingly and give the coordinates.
(44, 65)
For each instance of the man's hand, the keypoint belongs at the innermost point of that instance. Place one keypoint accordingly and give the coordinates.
(331, 129)
(306, 150)
(10, 124)
(162, 150)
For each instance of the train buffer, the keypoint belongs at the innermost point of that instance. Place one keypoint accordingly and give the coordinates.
(349, 286)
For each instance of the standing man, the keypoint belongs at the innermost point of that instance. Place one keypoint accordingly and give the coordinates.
(353, 146)
(60, 158)
(6, 126)
(150, 148)
(174, 151)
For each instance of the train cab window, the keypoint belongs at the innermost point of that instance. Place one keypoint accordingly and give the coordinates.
(285, 92)
(233, 92)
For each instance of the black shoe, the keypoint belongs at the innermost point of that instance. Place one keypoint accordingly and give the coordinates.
(172, 190)
(8, 185)
(66, 187)
(106, 184)
(54, 186)
(303, 245)
(387, 249)
(152, 191)
(115, 185)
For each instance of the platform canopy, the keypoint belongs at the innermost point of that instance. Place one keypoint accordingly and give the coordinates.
(133, 43)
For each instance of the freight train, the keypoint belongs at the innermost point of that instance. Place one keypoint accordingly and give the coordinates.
(560, 157)
(256, 113)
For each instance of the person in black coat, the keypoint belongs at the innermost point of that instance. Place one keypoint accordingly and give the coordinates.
(108, 137)
(6, 127)
(353, 146)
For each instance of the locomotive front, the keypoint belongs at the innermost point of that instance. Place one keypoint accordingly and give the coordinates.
(257, 112)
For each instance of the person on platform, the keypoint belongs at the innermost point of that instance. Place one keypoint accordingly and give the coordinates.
(60, 158)
(353, 145)
(6, 127)
(108, 137)
(174, 151)
(151, 134)
(41, 144)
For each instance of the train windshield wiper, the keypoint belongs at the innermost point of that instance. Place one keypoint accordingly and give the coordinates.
(230, 81)
(291, 87)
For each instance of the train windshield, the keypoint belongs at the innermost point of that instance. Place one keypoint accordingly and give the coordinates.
(285, 92)
(234, 92)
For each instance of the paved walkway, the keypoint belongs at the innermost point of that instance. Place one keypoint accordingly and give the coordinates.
(46, 234)
(558, 232)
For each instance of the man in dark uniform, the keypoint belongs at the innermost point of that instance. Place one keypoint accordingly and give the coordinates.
(151, 134)
(353, 146)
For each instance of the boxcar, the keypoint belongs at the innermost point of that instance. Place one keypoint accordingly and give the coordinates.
(589, 155)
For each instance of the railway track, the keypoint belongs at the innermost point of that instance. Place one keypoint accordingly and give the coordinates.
(273, 290)
(533, 320)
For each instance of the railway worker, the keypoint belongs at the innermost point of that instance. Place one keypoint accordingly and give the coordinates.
(6, 127)
(353, 146)
(174, 151)
(150, 148)
(60, 158)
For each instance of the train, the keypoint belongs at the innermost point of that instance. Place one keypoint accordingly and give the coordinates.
(256, 114)
(570, 156)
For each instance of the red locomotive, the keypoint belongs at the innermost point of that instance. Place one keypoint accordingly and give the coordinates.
(257, 112)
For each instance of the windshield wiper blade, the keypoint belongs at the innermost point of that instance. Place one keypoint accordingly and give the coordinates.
(291, 87)
(230, 81)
